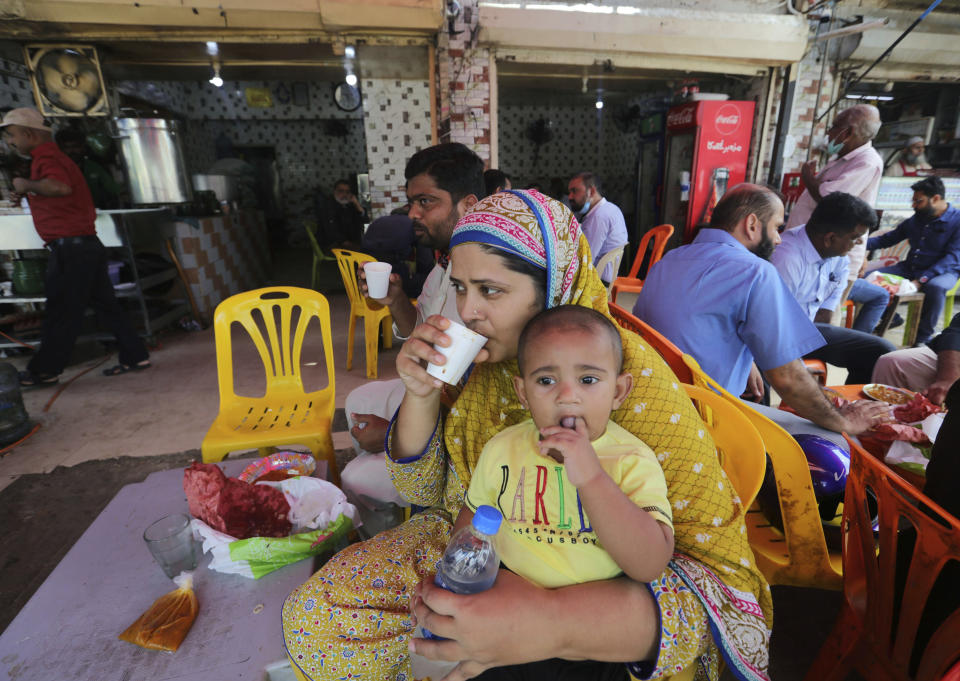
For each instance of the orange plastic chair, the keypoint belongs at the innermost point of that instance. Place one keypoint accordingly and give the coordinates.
(276, 320)
(817, 369)
(738, 443)
(631, 283)
(376, 317)
(670, 352)
(877, 627)
(797, 556)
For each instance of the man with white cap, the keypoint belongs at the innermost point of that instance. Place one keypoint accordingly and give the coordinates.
(64, 216)
(909, 161)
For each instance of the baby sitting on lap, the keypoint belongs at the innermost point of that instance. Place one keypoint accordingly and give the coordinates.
(582, 499)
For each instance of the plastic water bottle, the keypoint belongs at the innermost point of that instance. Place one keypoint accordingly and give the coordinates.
(470, 563)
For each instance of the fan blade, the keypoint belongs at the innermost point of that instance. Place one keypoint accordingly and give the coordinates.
(67, 63)
(74, 100)
(89, 84)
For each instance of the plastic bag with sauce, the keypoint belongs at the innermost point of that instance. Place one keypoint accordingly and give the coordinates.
(167, 622)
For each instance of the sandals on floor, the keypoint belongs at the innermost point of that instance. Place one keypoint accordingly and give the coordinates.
(28, 379)
(118, 369)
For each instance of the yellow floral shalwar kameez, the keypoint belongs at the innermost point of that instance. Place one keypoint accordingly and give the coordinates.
(352, 619)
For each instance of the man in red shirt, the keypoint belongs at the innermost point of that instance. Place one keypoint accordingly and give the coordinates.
(64, 216)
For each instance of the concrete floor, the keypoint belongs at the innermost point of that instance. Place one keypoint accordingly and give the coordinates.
(168, 408)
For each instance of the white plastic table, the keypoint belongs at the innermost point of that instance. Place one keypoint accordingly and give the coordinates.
(69, 628)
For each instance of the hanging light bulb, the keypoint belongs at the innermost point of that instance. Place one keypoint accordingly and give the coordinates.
(216, 81)
(349, 52)
(351, 80)
(599, 103)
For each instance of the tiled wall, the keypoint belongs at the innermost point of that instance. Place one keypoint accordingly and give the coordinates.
(15, 89)
(310, 155)
(583, 139)
(222, 256)
(396, 117)
(464, 84)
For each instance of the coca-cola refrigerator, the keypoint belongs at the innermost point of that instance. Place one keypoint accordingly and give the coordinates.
(707, 147)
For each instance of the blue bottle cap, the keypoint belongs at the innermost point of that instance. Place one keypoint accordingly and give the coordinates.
(487, 519)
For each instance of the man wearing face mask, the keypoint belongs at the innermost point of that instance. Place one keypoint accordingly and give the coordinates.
(909, 161)
(856, 170)
(933, 263)
(601, 221)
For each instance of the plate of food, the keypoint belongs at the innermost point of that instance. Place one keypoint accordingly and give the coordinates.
(278, 466)
(887, 393)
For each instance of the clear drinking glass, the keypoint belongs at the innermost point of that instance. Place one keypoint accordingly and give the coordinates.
(172, 545)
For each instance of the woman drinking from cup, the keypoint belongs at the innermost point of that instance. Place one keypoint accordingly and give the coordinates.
(512, 255)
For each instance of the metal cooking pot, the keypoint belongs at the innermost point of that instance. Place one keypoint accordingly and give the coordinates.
(152, 152)
(224, 186)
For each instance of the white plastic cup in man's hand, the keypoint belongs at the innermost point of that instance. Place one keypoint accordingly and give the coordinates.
(460, 353)
(378, 278)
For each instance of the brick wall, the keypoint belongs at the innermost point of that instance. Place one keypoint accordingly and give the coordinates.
(463, 77)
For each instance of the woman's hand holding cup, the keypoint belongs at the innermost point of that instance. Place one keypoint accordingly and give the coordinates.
(419, 351)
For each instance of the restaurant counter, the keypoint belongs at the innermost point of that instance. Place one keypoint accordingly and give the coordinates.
(220, 255)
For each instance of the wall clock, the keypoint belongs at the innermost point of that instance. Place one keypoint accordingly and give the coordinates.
(346, 96)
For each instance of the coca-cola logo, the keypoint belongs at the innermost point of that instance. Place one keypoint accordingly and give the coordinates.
(680, 117)
(727, 121)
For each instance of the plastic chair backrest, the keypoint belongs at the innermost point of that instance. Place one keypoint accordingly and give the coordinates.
(610, 257)
(799, 556)
(348, 262)
(659, 234)
(738, 443)
(276, 319)
(670, 352)
(877, 628)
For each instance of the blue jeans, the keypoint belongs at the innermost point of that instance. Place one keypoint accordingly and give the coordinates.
(873, 300)
(934, 297)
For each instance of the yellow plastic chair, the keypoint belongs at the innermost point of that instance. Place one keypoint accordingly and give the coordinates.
(276, 319)
(318, 255)
(798, 556)
(738, 443)
(376, 317)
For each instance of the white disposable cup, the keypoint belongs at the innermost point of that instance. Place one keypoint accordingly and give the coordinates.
(378, 278)
(465, 346)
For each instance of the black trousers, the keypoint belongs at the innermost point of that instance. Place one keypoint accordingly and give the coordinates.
(855, 351)
(77, 278)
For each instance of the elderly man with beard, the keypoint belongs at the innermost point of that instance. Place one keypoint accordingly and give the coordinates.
(720, 300)
(443, 182)
(933, 263)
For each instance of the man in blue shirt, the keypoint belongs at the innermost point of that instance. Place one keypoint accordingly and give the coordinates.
(721, 301)
(933, 262)
(601, 221)
(812, 260)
